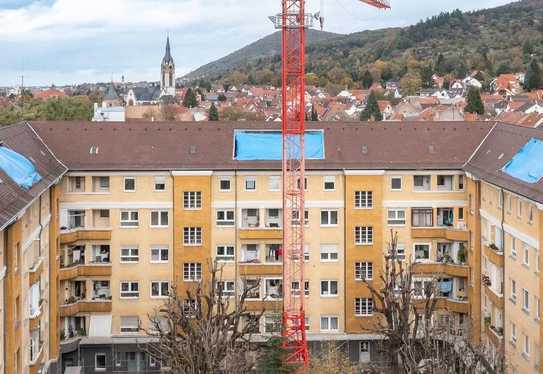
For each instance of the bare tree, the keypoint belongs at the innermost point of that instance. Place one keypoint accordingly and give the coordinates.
(414, 341)
(203, 331)
(332, 359)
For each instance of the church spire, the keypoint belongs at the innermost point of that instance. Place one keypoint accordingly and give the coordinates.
(168, 56)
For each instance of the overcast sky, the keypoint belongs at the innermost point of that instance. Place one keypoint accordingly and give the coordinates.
(73, 41)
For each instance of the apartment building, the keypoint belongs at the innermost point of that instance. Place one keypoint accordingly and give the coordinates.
(508, 211)
(149, 206)
(28, 239)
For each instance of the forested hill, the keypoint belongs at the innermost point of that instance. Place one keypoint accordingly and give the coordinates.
(264, 48)
(497, 40)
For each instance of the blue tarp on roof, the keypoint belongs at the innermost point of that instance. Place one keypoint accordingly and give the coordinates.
(19, 168)
(527, 164)
(267, 145)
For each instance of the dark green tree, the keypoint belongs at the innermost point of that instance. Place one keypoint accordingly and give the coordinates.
(504, 68)
(371, 112)
(190, 101)
(474, 103)
(367, 79)
(213, 113)
(446, 84)
(222, 97)
(534, 77)
(272, 359)
(441, 67)
(426, 75)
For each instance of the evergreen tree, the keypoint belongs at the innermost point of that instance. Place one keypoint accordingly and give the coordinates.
(273, 358)
(367, 79)
(446, 84)
(474, 102)
(213, 113)
(371, 112)
(534, 77)
(441, 65)
(503, 69)
(314, 114)
(190, 101)
(426, 75)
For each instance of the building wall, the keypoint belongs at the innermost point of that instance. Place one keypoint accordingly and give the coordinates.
(13, 309)
(3, 238)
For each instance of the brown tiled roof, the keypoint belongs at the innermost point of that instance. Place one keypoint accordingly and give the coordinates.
(496, 151)
(209, 146)
(22, 139)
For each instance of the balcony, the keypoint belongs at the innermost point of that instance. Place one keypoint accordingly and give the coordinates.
(494, 254)
(495, 298)
(260, 269)
(448, 233)
(34, 273)
(260, 305)
(260, 234)
(495, 334)
(85, 270)
(450, 304)
(432, 268)
(74, 307)
(78, 234)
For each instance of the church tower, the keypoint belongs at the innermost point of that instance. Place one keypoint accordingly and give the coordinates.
(167, 73)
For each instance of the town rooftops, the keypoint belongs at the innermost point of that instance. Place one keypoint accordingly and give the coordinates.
(24, 141)
(85, 146)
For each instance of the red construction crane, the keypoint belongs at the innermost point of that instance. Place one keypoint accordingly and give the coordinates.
(293, 22)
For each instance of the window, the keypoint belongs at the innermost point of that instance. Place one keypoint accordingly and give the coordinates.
(363, 235)
(252, 288)
(461, 182)
(422, 182)
(104, 213)
(329, 288)
(513, 332)
(274, 288)
(525, 300)
(296, 217)
(307, 323)
(396, 216)
(274, 183)
(224, 184)
(328, 217)
(192, 272)
(513, 247)
(363, 270)
(160, 184)
(527, 345)
(396, 183)
(227, 288)
(298, 184)
(329, 323)
(422, 251)
(274, 217)
(192, 200)
(274, 253)
(444, 182)
(130, 324)
(130, 290)
(129, 184)
(513, 290)
(460, 214)
(250, 218)
(250, 253)
(159, 218)
(329, 183)
(537, 303)
(519, 209)
(272, 323)
(130, 254)
(422, 217)
(225, 217)
(531, 215)
(103, 184)
(363, 199)
(400, 251)
(76, 184)
(250, 184)
(295, 288)
(363, 307)
(329, 253)
(225, 253)
(192, 235)
(129, 218)
(100, 362)
(160, 289)
(159, 255)
(526, 256)
(76, 219)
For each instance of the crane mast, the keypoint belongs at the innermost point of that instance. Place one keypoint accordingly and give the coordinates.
(293, 22)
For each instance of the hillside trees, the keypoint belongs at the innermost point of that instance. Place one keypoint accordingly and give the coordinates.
(534, 76)
(410, 84)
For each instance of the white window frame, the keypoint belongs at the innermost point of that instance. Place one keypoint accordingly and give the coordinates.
(513, 332)
(363, 307)
(130, 220)
(513, 247)
(160, 250)
(396, 221)
(225, 179)
(360, 232)
(362, 269)
(391, 183)
(225, 222)
(160, 217)
(160, 284)
(526, 349)
(131, 329)
(192, 272)
(159, 180)
(249, 180)
(429, 245)
(329, 213)
(133, 256)
(513, 290)
(519, 209)
(329, 319)
(461, 183)
(227, 291)
(422, 188)
(130, 291)
(329, 282)
(525, 254)
(225, 257)
(194, 238)
(125, 179)
(525, 300)
(192, 200)
(330, 251)
(96, 368)
(444, 187)
(327, 179)
(363, 199)
(274, 183)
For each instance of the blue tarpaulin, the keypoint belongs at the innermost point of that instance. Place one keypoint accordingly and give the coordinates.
(446, 286)
(527, 164)
(267, 145)
(19, 168)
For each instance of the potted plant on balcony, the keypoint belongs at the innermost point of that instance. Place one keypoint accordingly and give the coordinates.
(462, 255)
